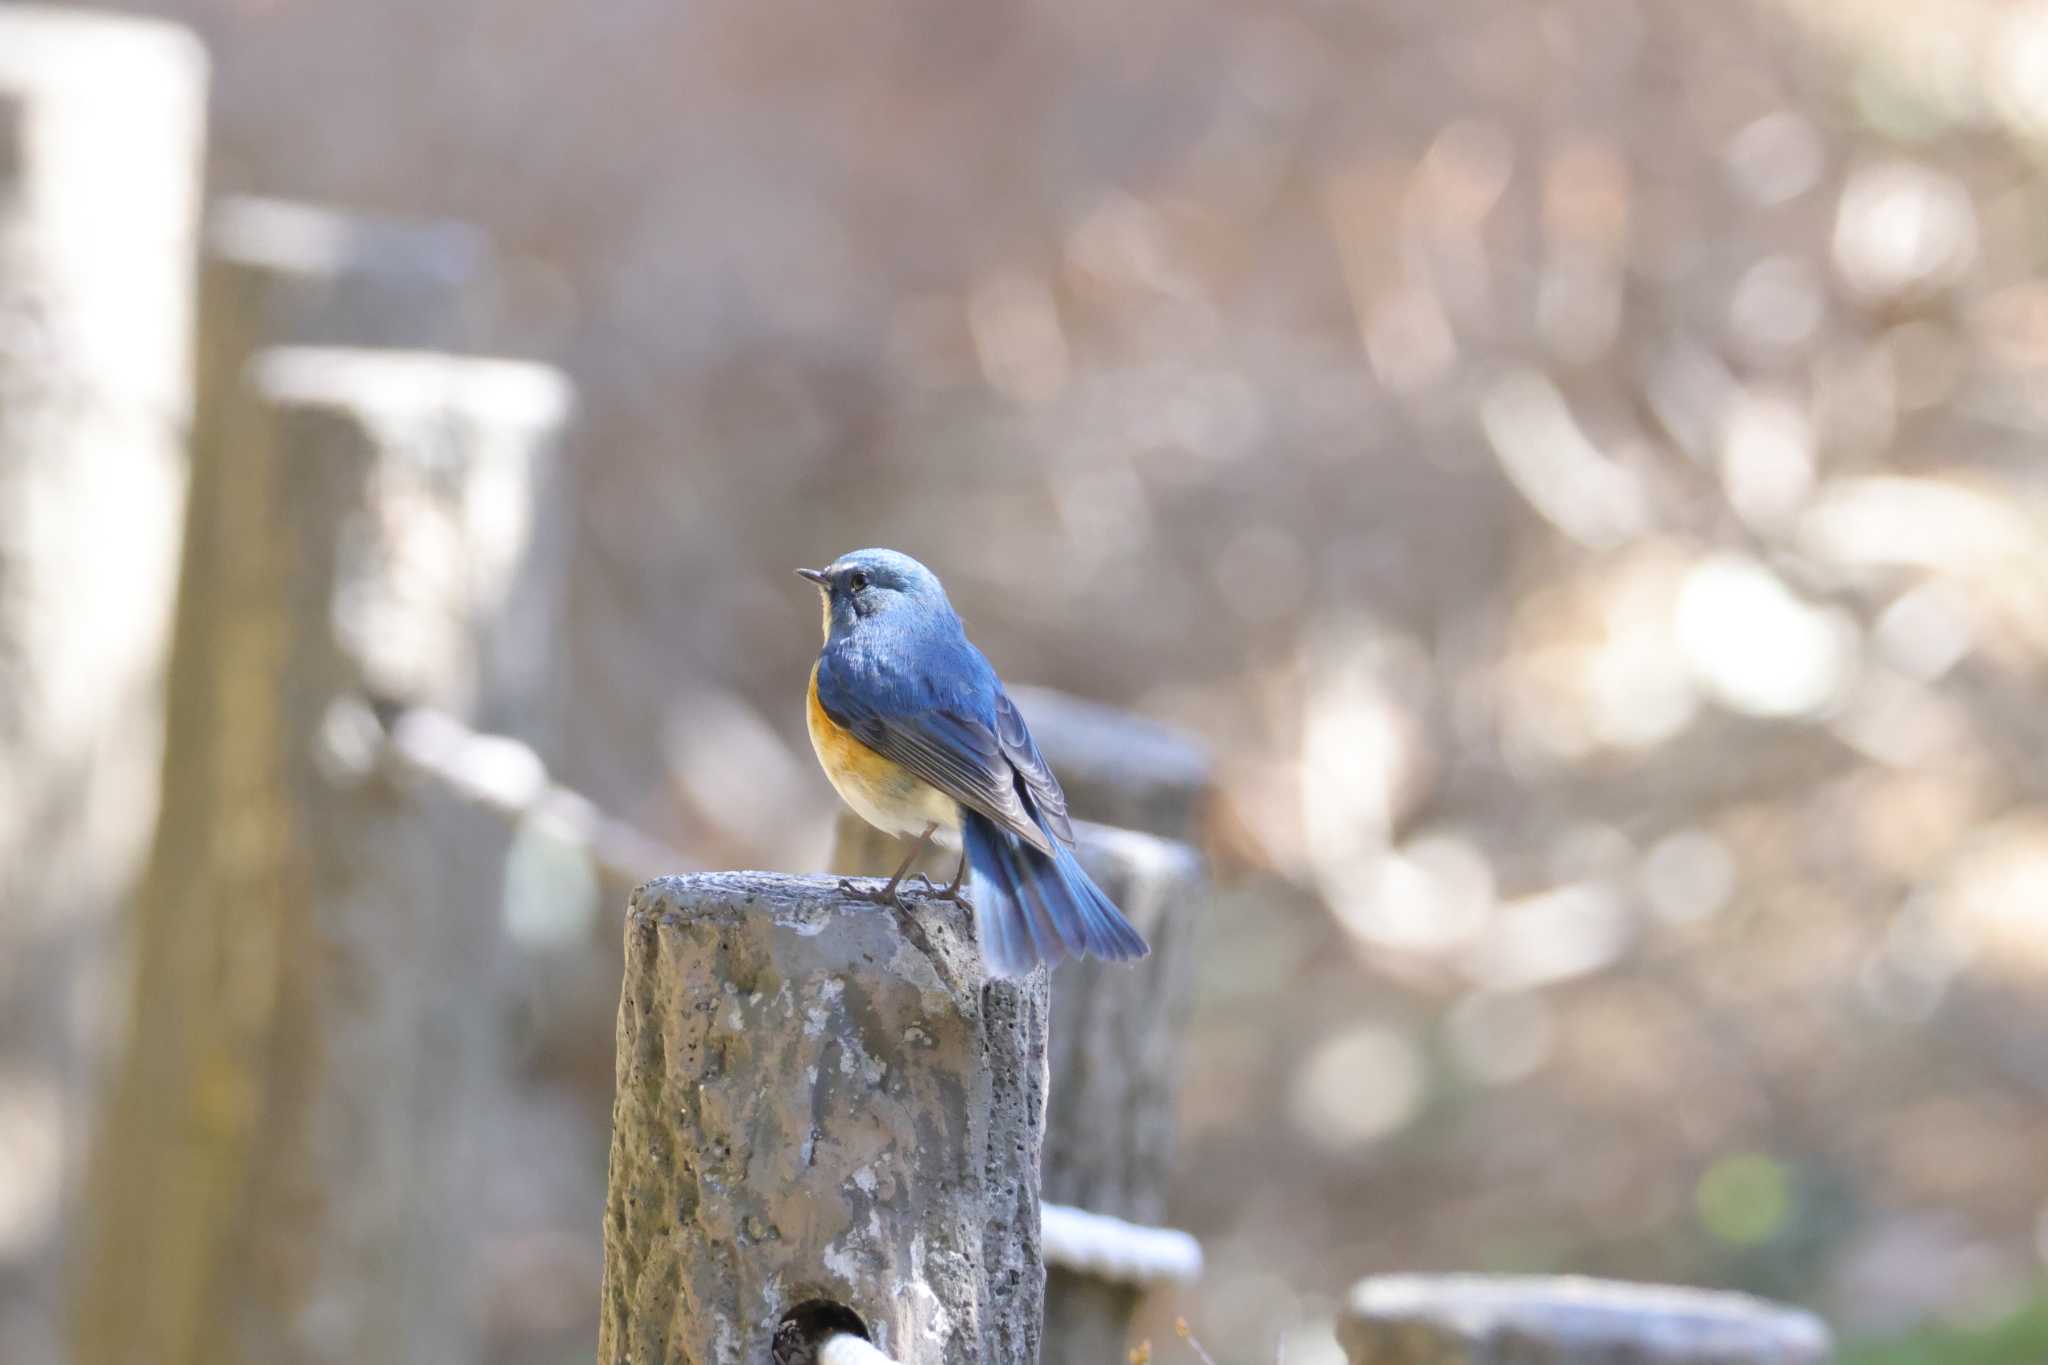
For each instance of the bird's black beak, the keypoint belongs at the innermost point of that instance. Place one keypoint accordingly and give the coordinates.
(818, 576)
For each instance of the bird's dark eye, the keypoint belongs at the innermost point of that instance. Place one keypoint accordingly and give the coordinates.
(856, 581)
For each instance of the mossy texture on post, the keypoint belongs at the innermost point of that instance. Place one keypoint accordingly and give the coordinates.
(820, 1098)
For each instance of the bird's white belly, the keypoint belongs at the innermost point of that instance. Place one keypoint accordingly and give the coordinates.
(899, 804)
(880, 791)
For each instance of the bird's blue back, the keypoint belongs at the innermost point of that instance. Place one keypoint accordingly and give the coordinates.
(903, 678)
(907, 661)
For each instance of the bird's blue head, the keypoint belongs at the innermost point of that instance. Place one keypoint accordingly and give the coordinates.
(873, 586)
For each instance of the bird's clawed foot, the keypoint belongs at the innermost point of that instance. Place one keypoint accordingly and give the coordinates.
(885, 894)
(951, 891)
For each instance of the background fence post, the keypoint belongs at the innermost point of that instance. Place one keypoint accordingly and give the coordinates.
(271, 272)
(281, 272)
(283, 1175)
(819, 1099)
(1538, 1320)
(102, 138)
(1116, 1031)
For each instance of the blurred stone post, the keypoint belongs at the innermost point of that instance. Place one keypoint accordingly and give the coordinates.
(819, 1100)
(286, 1172)
(271, 273)
(278, 271)
(1116, 1027)
(102, 139)
(1116, 1031)
(1537, 1320)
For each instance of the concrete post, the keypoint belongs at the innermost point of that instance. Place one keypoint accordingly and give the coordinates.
(819, 1101)
(279, 273)
(102, 140)
(1116, 1032)
(284, 1175)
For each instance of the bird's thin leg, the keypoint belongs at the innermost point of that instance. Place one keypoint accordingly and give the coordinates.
(887, 894)
(951, 890)
(916, 850)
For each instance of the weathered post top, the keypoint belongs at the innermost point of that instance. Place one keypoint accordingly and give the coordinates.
(1565, 1320)
(466, 452)
(819, 1099)
(290, 237)
(278, 272)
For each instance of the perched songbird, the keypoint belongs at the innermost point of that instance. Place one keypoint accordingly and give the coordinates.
(918, 736)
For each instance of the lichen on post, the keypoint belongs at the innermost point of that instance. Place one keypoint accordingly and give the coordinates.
(819, 1099)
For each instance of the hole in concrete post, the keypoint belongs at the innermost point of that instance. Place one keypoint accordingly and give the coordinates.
(805, 1328)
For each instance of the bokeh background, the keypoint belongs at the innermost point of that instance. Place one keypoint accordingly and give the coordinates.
(1582, 466)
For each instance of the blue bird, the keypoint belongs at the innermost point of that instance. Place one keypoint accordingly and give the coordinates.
(913, 728)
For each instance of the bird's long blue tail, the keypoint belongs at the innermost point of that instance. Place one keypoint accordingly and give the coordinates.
(1031, 908)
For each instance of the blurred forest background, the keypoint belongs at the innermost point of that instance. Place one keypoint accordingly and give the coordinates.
(1580, 466)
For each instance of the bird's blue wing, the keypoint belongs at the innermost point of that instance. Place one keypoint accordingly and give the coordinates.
(1030, 765)
(948, 720)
